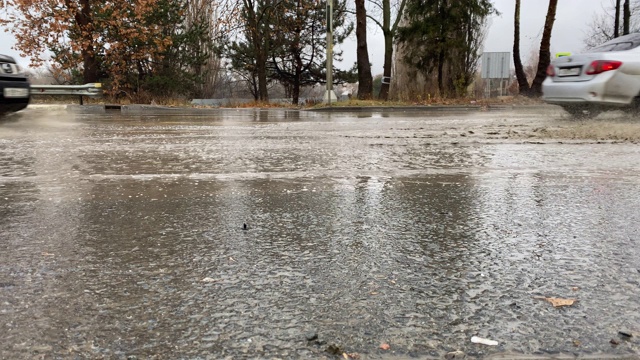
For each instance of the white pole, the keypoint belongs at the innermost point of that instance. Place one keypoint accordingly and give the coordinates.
(329, 91)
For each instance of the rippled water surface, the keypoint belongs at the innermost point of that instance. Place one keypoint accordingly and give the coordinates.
(122, 236)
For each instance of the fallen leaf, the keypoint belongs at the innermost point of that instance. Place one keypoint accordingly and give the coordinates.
(208, 279)
(479, 340)
(344, 355)
(385, 347)
(47, 254)
(373, 293)
(575, 288)
(353, 355)
(577, 343)
(558, 302)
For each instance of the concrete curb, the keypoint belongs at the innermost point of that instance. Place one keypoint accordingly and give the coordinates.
(47, 107)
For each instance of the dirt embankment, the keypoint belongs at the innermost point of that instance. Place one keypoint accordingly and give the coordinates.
(596, 130)
(542, 125)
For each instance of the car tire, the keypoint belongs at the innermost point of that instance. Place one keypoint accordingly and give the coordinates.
(634, 109)
(581, 112)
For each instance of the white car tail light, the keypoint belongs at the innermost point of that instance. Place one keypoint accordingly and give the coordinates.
(600, 66)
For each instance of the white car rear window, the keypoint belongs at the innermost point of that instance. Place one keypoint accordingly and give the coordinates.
(622, 43)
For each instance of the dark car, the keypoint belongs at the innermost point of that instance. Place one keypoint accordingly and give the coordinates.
(14, 86)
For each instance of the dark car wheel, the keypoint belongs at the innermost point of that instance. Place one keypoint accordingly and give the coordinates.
(634, 109)
(581, 112)
(12, 105)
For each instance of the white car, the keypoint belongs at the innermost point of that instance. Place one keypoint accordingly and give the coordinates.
(606, 77)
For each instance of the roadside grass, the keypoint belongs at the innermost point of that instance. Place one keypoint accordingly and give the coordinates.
(433, 101)
(184, 102)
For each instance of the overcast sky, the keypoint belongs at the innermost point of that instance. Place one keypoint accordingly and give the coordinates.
(572, 19)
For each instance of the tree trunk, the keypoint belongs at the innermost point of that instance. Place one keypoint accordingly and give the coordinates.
(295, 93)
(616, 26)
(545, 54)
(84, 20)
(261, 64)
(365, 80)
(90, 64)
(389, 31)
(441, 72)
(523, 84)
(388, 50)
(260, 40)
(626, 17)
(441, 55)
(254, 89)
(297, 80)
(386, 70)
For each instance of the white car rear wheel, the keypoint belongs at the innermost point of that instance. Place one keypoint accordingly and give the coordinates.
(581, 112)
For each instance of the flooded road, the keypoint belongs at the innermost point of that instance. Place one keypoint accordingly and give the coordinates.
(121, 236)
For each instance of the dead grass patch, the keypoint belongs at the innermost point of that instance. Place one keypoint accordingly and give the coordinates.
(595, 130)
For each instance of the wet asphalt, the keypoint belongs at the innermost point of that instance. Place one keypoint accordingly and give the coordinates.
(123, 236)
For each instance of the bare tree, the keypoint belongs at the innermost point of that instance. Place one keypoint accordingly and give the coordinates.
(545, 53)
(523, 84)
(391, 12)
(365, 80)
(626, 17)
(217, 16)
(603, 24)
(616, 26)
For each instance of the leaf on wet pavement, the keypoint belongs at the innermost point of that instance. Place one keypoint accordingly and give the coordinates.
(559, 302)
(577, 343)
(351, 355)
(385, 346)
(483, 341)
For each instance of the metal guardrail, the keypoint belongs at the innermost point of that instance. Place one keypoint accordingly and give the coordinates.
(91, 90)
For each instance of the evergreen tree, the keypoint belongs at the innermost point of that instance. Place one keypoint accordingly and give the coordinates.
(443, 38)
(299, 53)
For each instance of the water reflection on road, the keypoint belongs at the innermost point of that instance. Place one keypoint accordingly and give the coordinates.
(122, 236)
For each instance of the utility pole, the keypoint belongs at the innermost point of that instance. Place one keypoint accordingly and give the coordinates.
(329, 94)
